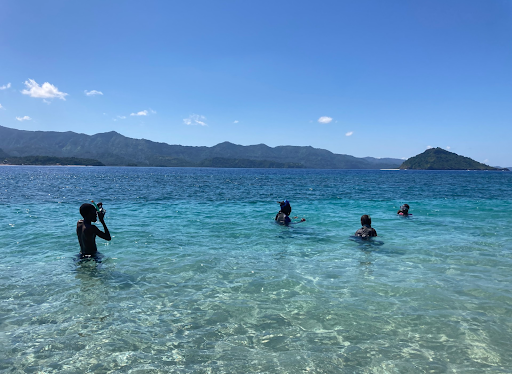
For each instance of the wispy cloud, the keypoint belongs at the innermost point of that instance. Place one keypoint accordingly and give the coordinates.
(1, 107)
(46, 91)
(152, 111)
(349, 133)
(236, 121)
(24, 118)
(93, 93)
(325, 119)
(486, 161)
(5, 86)
(195, 119)
(429, 147)
(448, 147)
(141, 113)
(118, 117)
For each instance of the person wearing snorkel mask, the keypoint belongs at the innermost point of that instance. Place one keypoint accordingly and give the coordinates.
(283, 216)
(87, 232)
(404, 210)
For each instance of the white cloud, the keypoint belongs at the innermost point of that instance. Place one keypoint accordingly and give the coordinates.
(141, 113)
(236, 121)
(349, 133)
(429, 147)
(195, 119)
(448, 147)
(486, 161)
(5, 86)
(24, 118)
(46, 91)
(325, 119)
(152, 111)
(93, 93)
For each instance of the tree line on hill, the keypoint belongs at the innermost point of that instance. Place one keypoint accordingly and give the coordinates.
(47, 160)
(112, 148)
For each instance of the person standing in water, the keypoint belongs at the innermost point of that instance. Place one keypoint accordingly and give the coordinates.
(366, 231)
(283, 216)
(87, 232)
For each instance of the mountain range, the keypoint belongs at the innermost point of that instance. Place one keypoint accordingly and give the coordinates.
(112, 148)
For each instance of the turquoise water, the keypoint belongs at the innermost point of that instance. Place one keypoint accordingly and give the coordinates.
(199, 279)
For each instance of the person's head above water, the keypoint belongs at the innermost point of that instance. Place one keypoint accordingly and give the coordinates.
(286, 208)
(404, 209)
(366, 220)
(88, 211)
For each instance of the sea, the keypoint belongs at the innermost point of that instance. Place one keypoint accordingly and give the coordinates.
(198, 277)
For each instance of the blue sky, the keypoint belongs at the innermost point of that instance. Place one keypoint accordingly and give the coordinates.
(365, 78)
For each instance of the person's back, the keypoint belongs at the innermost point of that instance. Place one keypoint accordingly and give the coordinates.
(282, 218)
(86, 238)
(366, 231)
(87, 232)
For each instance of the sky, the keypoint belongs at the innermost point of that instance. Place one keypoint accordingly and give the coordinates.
(364, 78)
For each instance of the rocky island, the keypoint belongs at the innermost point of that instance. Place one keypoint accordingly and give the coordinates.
(440, 159)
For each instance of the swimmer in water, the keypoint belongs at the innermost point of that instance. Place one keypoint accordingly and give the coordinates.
(366, 231)
(404, 210)
(87, 232)
(283, 216)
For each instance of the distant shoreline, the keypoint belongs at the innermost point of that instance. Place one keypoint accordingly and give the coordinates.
(78, 166)
(254, 168)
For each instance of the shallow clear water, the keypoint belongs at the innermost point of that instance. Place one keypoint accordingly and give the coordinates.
(198, 278)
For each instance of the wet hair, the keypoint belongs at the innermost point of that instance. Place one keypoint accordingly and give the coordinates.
(286, 208)
(366, 220)
(86, 209)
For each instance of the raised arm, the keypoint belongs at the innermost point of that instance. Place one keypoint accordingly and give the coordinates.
(104, 235)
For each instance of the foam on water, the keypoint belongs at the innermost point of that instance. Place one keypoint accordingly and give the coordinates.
(198, 278)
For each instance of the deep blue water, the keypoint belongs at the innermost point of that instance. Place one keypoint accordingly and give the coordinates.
(199, 279)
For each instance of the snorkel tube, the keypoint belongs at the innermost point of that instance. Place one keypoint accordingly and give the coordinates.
(93, 203)
(98, 209)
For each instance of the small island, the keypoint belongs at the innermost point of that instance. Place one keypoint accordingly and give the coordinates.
(440, 159)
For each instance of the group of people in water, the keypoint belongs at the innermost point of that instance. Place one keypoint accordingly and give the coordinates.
(366, 231)
(87, 232)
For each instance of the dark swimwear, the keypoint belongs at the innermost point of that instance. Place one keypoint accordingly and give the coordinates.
(282, 218)
(366, 232)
